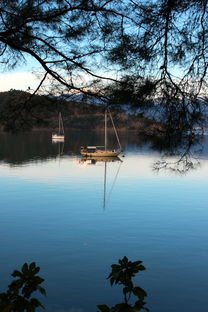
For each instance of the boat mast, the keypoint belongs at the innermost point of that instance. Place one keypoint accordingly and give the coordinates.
(116, 133)
(59, 123)
(106, 129)
(62, 125)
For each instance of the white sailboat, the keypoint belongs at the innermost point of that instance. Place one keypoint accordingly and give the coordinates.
(102, 151)
(59, 136)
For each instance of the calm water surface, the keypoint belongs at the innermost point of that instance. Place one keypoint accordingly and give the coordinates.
(61, 212)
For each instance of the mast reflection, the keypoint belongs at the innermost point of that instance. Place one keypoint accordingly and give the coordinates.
(93, 161)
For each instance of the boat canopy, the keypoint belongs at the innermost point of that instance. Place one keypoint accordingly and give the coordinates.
(93, 147)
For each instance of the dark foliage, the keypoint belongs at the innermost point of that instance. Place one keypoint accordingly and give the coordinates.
(136, 52)
(20, 112)
(18, 298)
(122, 274)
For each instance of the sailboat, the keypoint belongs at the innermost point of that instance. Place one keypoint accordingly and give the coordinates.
(59, 136)
(102, 151)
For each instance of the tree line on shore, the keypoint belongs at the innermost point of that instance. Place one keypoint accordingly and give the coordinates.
(19, 111)
(135, 52)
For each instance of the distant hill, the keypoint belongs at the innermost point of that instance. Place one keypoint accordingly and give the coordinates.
(21, 112)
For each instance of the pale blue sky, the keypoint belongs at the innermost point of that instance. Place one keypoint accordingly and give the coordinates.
(21, 77)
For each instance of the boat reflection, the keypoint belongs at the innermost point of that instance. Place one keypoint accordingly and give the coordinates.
(89, 160)
(93, 161)
(60, 147)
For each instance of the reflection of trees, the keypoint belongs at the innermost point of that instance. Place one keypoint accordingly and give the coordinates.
(180, 154)
(37, 146)
(22, 148)
(182, 165)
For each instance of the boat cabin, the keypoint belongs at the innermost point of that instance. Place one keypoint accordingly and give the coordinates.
(91, 149)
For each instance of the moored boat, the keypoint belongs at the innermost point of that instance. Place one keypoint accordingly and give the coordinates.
(97, 151)
(59, 136)
(102, 151)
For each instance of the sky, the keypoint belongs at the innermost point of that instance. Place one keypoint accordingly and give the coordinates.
(19, 80)
(21, 77)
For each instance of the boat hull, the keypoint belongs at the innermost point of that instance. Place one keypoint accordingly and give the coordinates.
(57, 137)
(100, 153)
(95, 159)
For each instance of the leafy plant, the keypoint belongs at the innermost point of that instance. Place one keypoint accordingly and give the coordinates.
(17, 298)
(122, 274)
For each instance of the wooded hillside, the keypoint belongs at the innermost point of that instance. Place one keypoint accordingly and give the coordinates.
(21, 112)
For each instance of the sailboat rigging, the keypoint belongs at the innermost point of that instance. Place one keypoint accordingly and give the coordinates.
(59, 136)
(102, 151)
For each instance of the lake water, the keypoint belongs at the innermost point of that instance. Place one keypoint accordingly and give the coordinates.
(75, 218)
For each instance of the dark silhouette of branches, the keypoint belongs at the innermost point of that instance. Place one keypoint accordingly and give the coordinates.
(140, 53)
(179, 154)
(60, 35)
